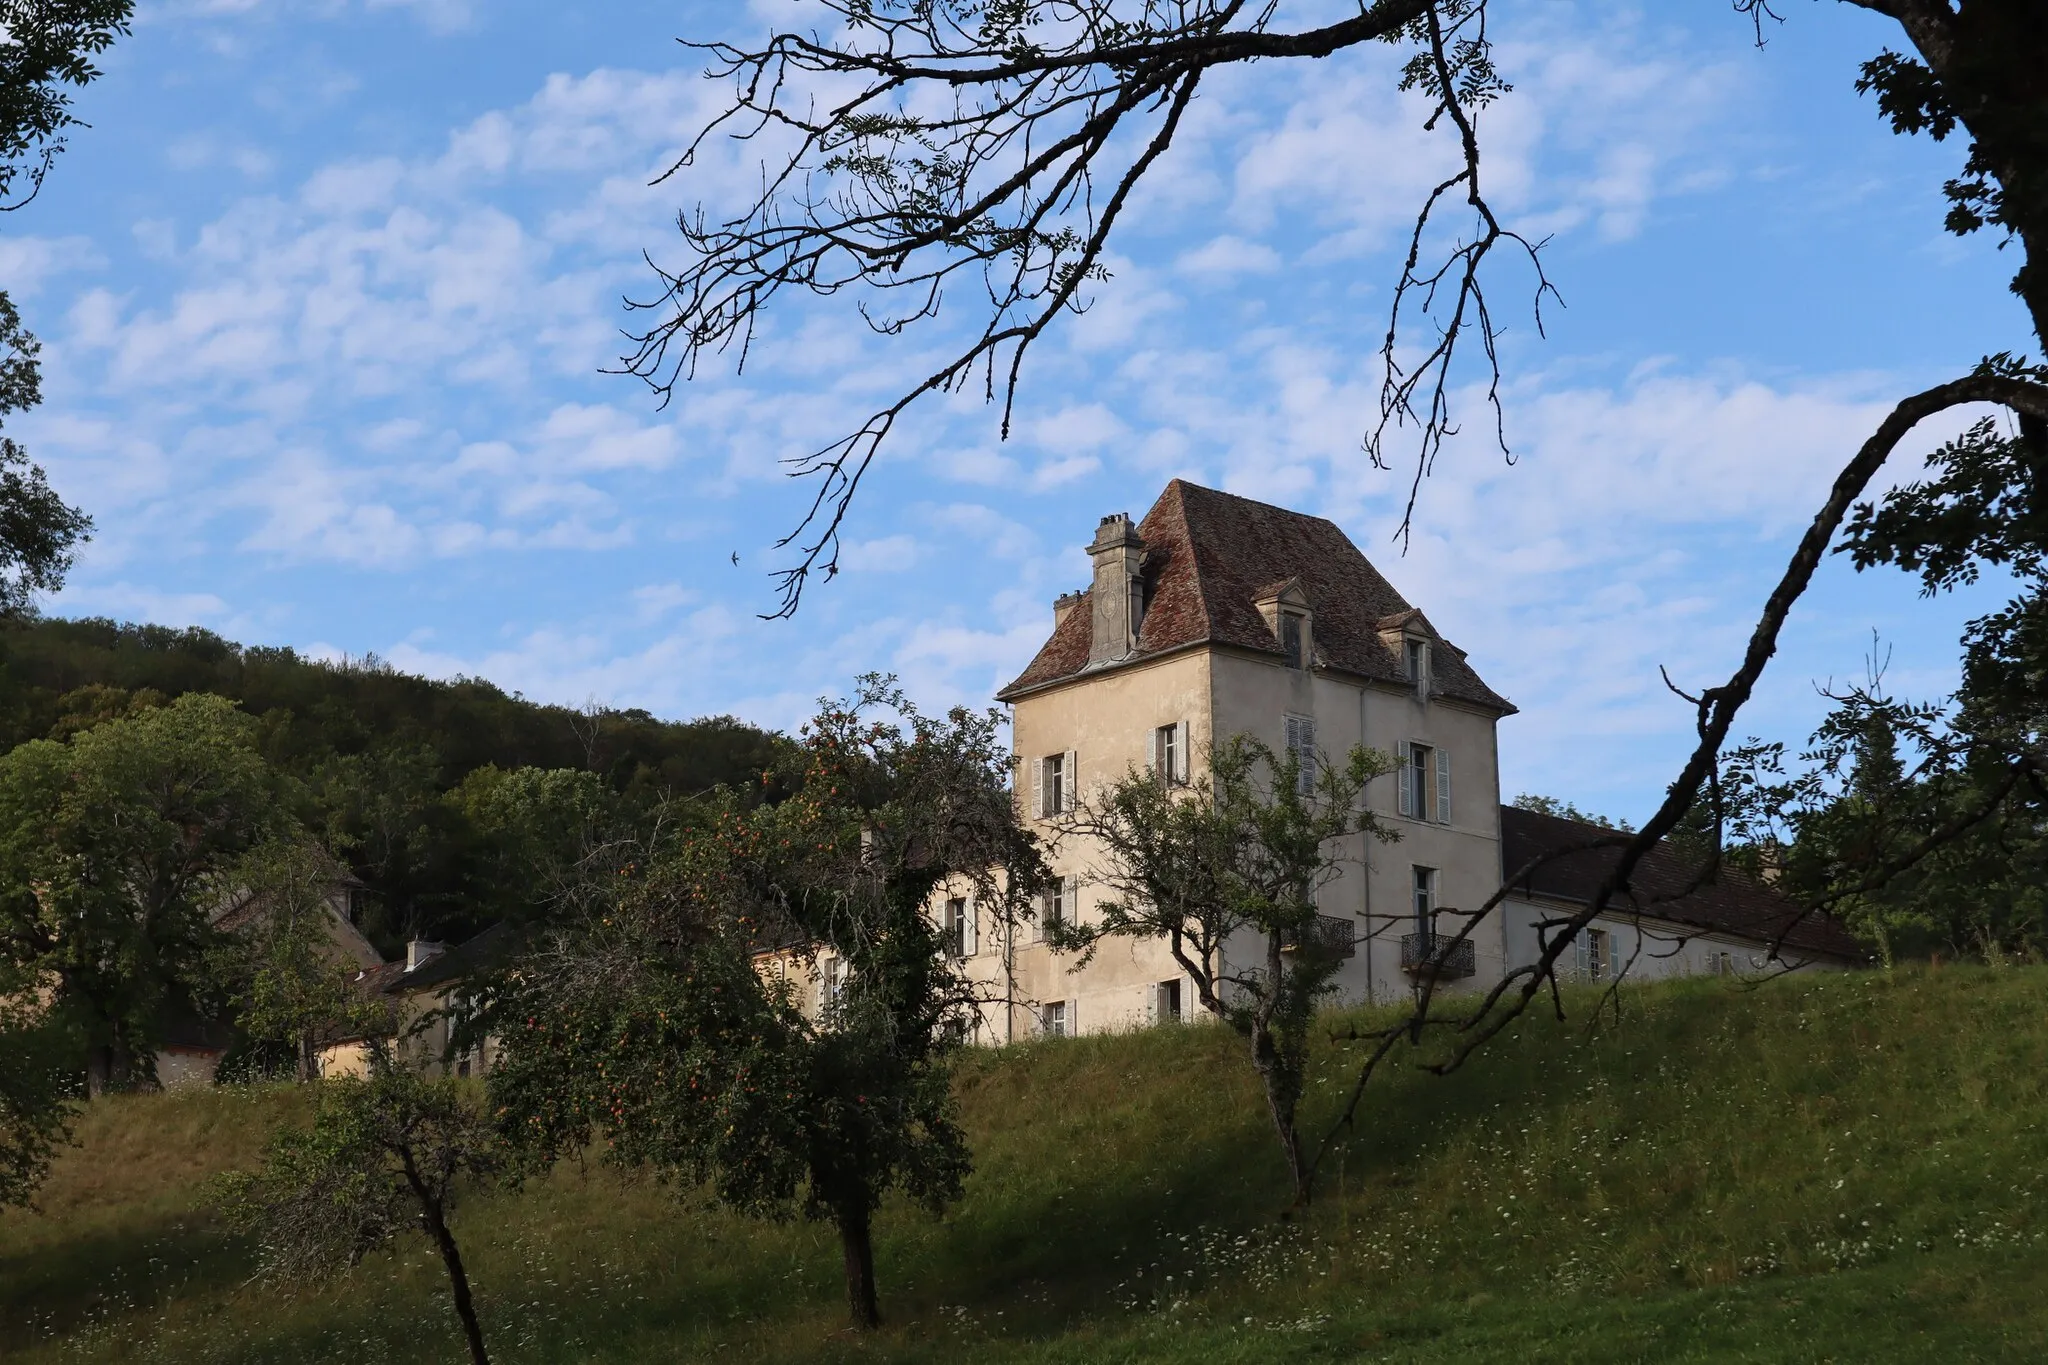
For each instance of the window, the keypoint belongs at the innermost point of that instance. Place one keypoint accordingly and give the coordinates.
(1417, 658)
(1424, 782)
(1293, 640)
(1425, 900)
(958, 929)
(1301, 746)
(1596, 954)
(1056, 1020)
(461, 1010)
(1166, 1002)
(831, 982)
(1055, 780)
(1170, 753)
(1056, 904)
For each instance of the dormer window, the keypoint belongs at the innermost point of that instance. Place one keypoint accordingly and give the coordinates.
(1418, 664)
(1291, 639)
(1285, 607)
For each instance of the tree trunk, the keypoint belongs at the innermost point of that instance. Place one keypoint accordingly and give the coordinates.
(458, 1282)
(859, 1251)
(1283, 1098)
(109, 1068)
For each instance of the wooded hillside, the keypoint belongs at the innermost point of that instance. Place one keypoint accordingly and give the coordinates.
(378, 753)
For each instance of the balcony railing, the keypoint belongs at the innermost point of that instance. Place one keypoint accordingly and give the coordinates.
(1327, 934)
(1438, 955)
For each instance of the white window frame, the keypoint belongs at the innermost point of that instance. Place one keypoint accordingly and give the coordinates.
(1595, 949)
(1423, 782)
(1170, 753)
(1056, 904)
(1294, 639)
(1300, 734)
(1422, 898)
(1053, 783)
(958, 927)
(1056, 1019)
(1415, 662)
(831, 982)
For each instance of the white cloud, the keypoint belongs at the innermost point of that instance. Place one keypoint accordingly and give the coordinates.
(599, 436)
(1600, 123)
(127, 601)
(1228, 256)
(27, 262)
(889, 554)
(656, 600)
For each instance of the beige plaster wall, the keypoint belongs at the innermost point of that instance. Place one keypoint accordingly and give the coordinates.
(1255, 694)
(1650, 949)
(182, 1066)
(1108, 720)
(423, 1029)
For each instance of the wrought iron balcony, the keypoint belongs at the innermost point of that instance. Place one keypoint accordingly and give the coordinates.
(1328, 934)
(1438, 955)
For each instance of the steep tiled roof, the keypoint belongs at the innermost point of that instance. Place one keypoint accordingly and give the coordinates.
(1733, 904)
(486, 950)
(1211, 556)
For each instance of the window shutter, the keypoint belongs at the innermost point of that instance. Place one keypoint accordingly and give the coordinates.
(967, 914)
(1180, 752)
(1405, 780)
(1070, 783)
(1038, 787)
(1443, 786)
(1581, 947)
(1156, 760)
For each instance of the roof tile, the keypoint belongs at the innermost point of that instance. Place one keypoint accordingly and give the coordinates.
(1734, 904)
(1210, 556)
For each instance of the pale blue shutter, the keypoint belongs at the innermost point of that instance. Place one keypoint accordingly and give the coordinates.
(1443, 786)
(1405, 780)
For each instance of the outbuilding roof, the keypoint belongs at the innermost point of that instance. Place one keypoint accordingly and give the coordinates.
(1733, 904)
(1210, 557)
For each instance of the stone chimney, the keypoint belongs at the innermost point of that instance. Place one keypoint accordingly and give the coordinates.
(1117, 600)
(420, 951)
(1063, 604)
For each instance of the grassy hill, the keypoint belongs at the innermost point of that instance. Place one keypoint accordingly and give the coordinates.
(1845, 1168)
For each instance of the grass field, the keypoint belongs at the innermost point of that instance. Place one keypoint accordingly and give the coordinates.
(1825, 1168)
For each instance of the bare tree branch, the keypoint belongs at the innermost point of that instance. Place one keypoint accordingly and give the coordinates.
(1717, 707)
(931, 144)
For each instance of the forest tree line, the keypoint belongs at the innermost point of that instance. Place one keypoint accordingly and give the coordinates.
(397, 775)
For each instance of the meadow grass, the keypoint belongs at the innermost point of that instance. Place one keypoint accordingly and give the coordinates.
(1841, 1167)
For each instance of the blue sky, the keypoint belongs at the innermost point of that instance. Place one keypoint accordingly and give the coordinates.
(328, 289)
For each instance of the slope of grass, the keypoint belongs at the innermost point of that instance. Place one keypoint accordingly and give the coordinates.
(1844, 1168)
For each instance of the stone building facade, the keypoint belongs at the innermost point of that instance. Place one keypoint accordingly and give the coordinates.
(1217, 615)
